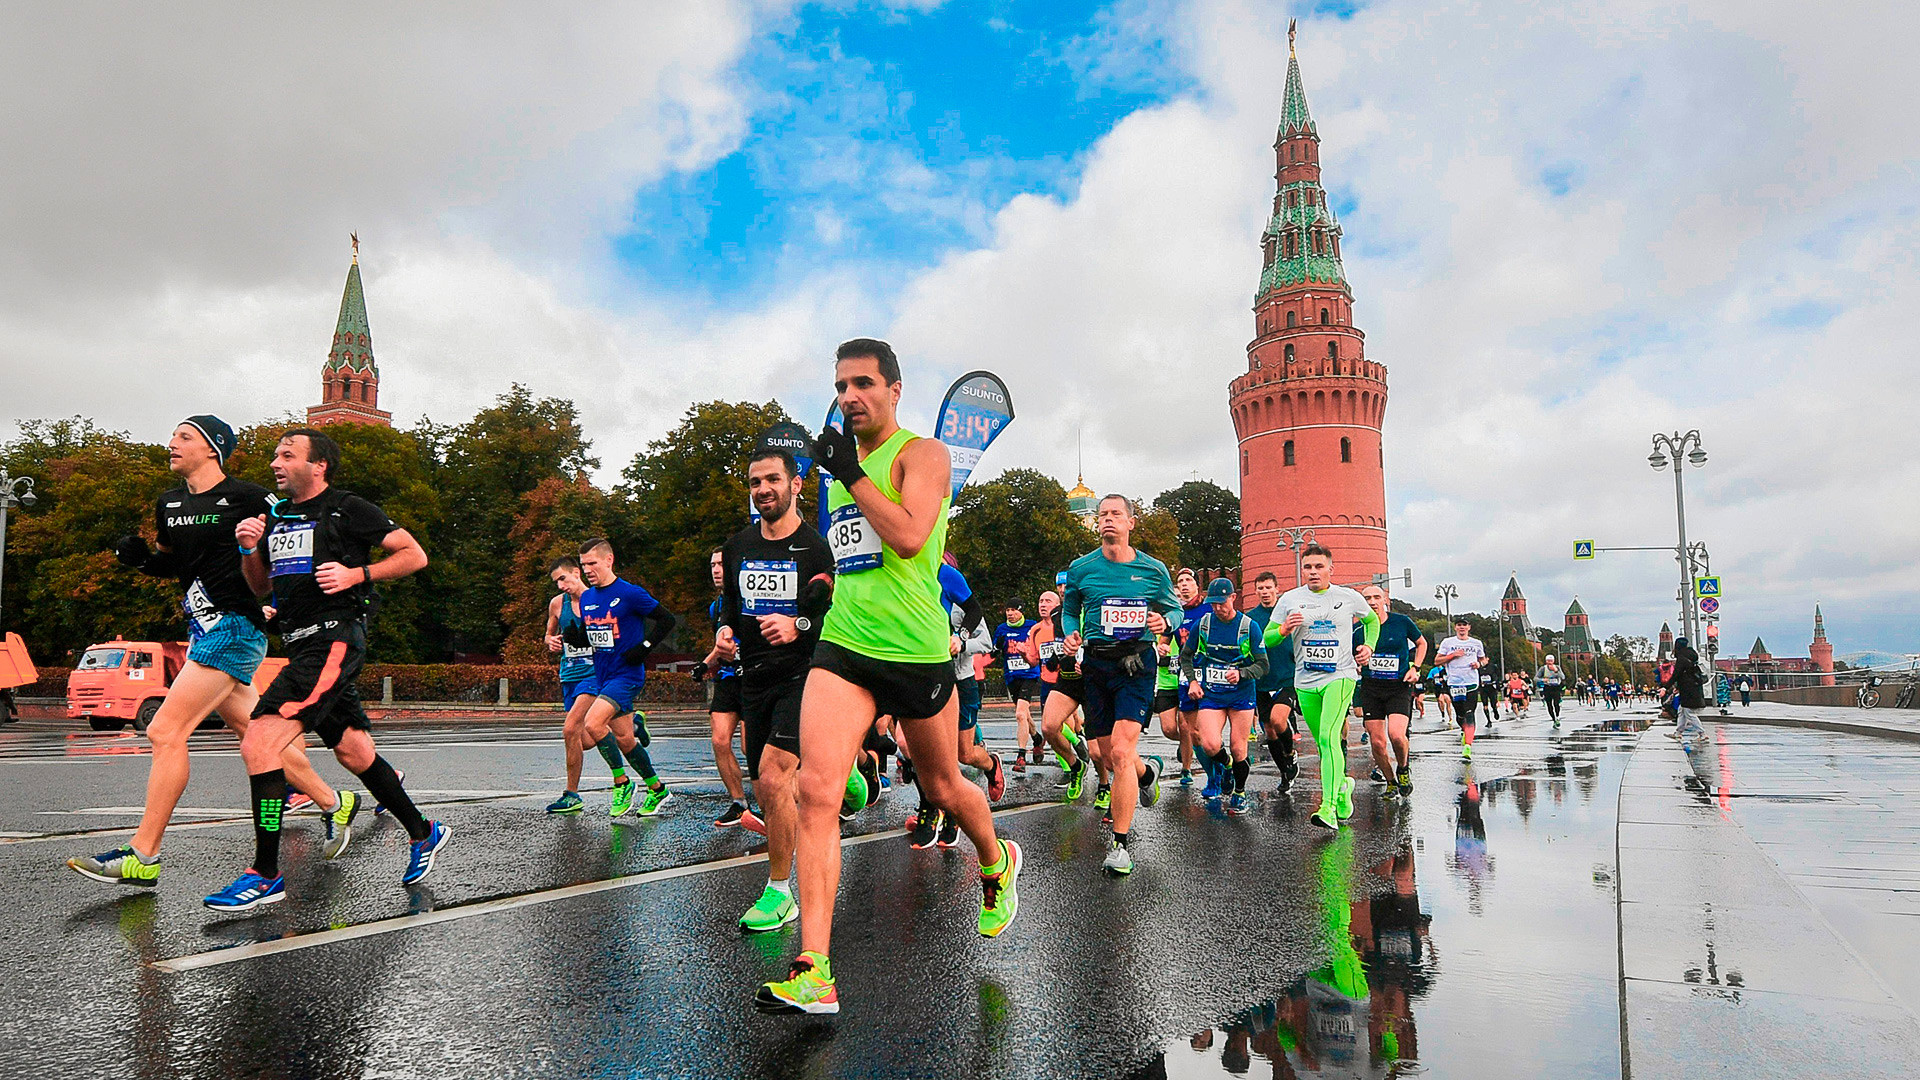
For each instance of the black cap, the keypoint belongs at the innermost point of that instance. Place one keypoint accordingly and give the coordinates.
(217, 433)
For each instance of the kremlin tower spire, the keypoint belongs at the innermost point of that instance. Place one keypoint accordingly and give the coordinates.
(1309, 408)
(350, 380)
(1820, 653)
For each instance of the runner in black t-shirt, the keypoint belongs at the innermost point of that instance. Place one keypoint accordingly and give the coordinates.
(777, 587)
(193, 527)
(313, 554)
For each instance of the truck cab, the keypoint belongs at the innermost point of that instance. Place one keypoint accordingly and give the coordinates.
(122, 682)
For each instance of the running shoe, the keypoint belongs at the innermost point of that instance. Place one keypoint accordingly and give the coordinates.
(1378, 777)
(622, 800)
(1076, 778)
(656, 798)
(1365, 738)
(1150, 788)
(1000, 893)
(751, 822)
(1020, 761)
(996, 780)
(734, 815)
(400, 775)
(118, 867)
(772, 911)
(1119, 860)
(1212, 790)
(298, 801)
(421, 853)
(640, 732)
(886, 785)
(247, 892)
(1289, 773)
(808, 988)
(1343, 802)
(1103, 798)
(1324, 820)
(854, 799)
(949, 832)
(339, 824)
(568, 803)
(1466, 752)
(925, 829)
(1238, 804)
(1186, 778)
(1405, 780)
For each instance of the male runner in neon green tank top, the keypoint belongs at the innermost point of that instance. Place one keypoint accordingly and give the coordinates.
(884, 650)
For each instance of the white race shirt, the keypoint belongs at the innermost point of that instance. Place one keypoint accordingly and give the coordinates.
(1323, 647)
(1462, 674)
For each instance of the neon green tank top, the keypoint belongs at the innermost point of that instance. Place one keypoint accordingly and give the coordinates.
(885, 605)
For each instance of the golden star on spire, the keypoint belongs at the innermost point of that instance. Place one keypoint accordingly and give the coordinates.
(1292, 25)
(355, 237)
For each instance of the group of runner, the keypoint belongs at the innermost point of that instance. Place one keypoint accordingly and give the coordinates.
(831, 653)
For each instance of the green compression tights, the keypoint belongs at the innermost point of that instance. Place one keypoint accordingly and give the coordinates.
(1325, 710)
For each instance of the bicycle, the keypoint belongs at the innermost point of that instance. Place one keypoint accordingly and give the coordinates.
(1868, 696)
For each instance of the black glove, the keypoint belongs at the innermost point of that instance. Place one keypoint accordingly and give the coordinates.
(699, 671)
(835, 451)
(575, 635)
(636, 655)
(132, 551)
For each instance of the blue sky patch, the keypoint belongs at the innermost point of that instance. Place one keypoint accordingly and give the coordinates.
(891, 138)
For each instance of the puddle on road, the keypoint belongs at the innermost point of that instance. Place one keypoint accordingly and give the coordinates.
(1422, 947)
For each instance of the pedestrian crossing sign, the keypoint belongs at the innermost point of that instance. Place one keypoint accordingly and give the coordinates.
(1706, 586)
(1583, 549)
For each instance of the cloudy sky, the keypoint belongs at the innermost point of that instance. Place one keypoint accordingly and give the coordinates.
(1565, 231)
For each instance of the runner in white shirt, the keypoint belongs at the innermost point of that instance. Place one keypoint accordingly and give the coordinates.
(1464, 656)
(1319, 617)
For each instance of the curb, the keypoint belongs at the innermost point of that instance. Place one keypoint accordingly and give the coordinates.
(1842, 727)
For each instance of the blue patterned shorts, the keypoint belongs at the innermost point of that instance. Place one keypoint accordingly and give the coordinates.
(234, 646)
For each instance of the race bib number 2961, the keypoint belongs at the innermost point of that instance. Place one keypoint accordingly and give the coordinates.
(290, 548)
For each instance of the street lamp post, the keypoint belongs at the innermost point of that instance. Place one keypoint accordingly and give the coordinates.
(14, 491)
(1296, 537)
(1681, 450)
(1447, 594)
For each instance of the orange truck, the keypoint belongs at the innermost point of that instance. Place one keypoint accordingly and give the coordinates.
(16, 669)
(122, 682)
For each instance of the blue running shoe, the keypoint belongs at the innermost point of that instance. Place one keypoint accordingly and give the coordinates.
(568, 803)
(1212, 790)
(247, 892)
(1186, 778)
(420, 853)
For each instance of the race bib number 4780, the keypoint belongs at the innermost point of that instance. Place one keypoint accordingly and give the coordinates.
(856, 547)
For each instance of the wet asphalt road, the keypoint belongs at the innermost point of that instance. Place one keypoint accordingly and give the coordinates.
(1472, 930)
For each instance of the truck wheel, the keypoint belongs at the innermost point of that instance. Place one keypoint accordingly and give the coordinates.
(148, 710)
(105, 723)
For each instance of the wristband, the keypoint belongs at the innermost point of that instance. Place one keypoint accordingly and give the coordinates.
(366, 575)
(249, 551)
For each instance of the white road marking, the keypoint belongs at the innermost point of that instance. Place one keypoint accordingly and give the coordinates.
(236, 953)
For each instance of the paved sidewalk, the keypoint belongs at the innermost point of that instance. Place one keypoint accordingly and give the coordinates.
(1729, 966)
(1884, 722)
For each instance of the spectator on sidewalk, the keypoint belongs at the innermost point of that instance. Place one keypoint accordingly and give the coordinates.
(1746, 692)
(1686, 684)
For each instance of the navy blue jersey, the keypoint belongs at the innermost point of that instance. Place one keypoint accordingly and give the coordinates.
(1393, 650)
(616, 618)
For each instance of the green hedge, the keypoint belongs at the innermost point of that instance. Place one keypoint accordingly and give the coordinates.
(527, 684)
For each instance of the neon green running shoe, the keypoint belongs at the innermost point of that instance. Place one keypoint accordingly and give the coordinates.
(772, 911)
(1076, 780)
(657, 797)
(808, 988)
(118, 867)
(340, 825)
(1343, 799)
(622, 798)
(1466, 751)
(1103, 798)
(857, 794)
(1000, 893)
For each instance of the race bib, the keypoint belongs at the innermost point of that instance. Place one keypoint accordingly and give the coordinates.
(201, 616)
(600, 637)
(770, 586)
(1051, 649)
(1124, 619)
(1214, 677)
(1384, 666)
(580, 652)
(1017, 664)
(1320, 652)
(290, 548)
(856, 547)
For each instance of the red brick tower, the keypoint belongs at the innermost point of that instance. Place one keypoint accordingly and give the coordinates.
(1821, 651)
(1309, 408)
(1577, 641)
(350, 381)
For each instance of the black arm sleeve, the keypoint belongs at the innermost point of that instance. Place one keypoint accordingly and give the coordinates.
(816, 596)
(660, 623)
(729, 591)
(970, 607)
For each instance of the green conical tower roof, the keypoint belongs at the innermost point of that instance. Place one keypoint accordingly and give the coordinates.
(1759, 648)
(352, 342)
(1303, 232)
(1294, 117)
(1575, 608)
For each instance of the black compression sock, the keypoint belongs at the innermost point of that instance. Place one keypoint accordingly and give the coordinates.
(385, 787)
(269, 801)
(1240, 770)
(1120, 838)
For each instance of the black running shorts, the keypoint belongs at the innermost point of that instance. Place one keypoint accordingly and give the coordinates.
(1023, 689)
(1381, 698)
(316, 687)
(770, 716)
(723, 695)
(900, 690)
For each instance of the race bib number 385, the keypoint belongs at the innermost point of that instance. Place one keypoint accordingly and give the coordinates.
(856, 547)
(290, 548)
(770, 587)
